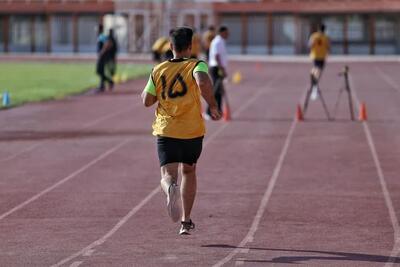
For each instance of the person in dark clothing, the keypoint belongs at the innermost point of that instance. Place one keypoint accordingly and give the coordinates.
(106, 64)
(100, 64)
(111, 54)
(218, 63)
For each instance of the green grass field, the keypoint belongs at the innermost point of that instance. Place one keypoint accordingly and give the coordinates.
(33, 82)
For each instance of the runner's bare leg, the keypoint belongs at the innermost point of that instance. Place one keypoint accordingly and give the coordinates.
(188, 189)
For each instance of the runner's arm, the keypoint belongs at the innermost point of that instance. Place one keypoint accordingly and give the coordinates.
(149, 96)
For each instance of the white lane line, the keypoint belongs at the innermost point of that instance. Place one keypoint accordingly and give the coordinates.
(239, 262)
(156, 190)
(386, 194)
(388, 79)
(84, 127)
(69, 177)
(264, 201)
(104, 238)
(76, 264)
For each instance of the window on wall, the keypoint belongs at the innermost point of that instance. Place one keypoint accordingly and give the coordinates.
(234, 24)
(41, 34)
(87, 33)
(284, 35)
(357, 34)
(20, 34)
(385, 35)
(203, 22)
(61, 34)
(334, 30)
(257, 35)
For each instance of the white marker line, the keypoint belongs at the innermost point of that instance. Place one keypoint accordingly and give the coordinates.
(382, 181)
(88, 253)
(104, 238)
(388, 79)
(126, 218)
(239, 262)
(69, 177)
(76, 264)
(264, 201)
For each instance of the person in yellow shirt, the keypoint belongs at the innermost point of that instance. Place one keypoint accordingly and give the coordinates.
(196, 45)
(208, 36)
(319, 49)
(158, 47)
(177, 85)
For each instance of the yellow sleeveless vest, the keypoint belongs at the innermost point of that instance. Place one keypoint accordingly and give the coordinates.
(178, 114)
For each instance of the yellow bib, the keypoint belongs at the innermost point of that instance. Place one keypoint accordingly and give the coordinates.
(178, 114)
(319, 46)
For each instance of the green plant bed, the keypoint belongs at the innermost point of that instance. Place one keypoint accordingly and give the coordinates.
(33, 82)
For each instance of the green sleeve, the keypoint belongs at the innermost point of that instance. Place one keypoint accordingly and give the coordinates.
(150, 87)
(202, 67)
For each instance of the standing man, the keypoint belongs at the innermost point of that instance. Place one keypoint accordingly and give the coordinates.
(102, 60)
(176, 85)
(319, 49)
(218, 65)
(110, 53)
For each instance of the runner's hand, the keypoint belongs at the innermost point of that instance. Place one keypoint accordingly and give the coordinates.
(215, 113)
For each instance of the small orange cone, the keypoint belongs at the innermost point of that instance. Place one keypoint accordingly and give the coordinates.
(226, 113)
(362, 112)
(299, 114)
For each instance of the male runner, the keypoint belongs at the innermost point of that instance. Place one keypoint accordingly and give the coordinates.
(176, 85)
(319, 49)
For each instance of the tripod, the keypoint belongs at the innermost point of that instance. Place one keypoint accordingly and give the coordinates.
(345, 74)
(315, 86)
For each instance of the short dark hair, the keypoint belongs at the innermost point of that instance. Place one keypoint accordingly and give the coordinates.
(181, 38)
(211, 28)
(322, 27)
(222, 29)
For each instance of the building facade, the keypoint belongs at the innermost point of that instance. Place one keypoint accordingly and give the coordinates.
(275, 27)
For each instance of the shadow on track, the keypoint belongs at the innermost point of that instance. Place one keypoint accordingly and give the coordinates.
(11, 136)
(334, 256)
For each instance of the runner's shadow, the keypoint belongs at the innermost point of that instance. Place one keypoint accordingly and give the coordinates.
(333, 256)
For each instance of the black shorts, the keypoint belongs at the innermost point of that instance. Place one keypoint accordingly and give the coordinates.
(319, 64)
(172, 150)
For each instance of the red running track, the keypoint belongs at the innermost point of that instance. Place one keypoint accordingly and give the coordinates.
(79, 178)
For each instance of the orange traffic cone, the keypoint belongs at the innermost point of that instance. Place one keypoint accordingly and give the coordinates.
(226, 113)
(362, 112)
(299, 113)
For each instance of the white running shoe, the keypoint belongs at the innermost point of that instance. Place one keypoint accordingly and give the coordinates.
(314, 93)
(173, 202)
(206, 117)
(186, 228)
